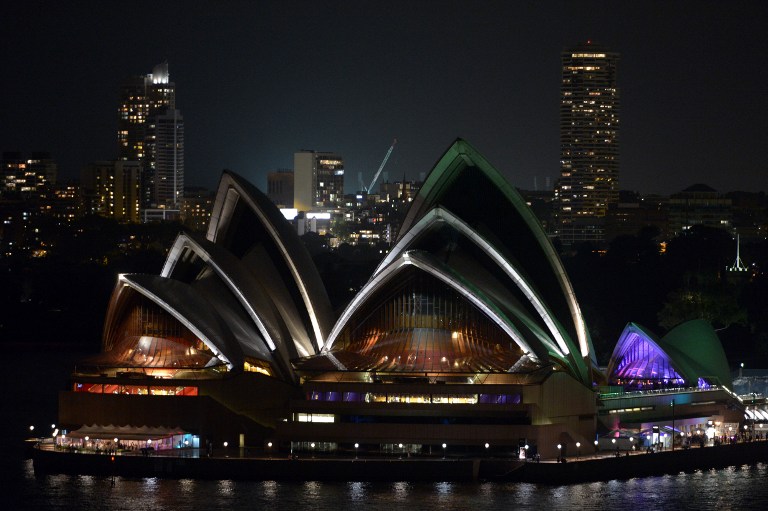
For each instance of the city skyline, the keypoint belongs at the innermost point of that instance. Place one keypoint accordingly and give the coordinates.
(260, 82)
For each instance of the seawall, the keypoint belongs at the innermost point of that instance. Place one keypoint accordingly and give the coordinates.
(407, 469)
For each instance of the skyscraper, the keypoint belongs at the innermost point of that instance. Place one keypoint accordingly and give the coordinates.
(318, 180)
(149, 126)
(165, 151)
(589, 143)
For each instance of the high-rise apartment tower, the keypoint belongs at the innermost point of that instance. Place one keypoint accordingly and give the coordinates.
(589, 144)
(151, 131)
(165, 151)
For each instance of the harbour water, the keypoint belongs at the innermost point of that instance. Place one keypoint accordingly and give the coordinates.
(742, 487)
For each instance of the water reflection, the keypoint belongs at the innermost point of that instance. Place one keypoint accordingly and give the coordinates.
(400, 491)
(270, 489)
(357, 491)
(312, 490)
(187, 485)
(740, 487)
(226, 487)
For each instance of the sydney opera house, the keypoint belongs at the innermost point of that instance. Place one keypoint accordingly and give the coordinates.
(467, 338)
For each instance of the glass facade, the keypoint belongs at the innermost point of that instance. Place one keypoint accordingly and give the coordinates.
(396, 397)
(149, 337)
(425, 326)
(136, 390)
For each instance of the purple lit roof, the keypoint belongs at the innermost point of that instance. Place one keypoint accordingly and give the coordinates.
(691, 353)
(639, 356)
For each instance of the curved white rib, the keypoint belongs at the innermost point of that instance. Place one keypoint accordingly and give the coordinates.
(439, 214)
(183, 241)
(180, 317)
(383, 275)
(232, 186)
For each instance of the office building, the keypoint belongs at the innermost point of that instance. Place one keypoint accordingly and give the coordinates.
(280, 188)
(318, 180)
(589, 143)
(698, 204)
(196, 208)
(112, 189)
(27, 177)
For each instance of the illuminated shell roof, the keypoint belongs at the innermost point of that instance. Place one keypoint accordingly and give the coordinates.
(497, 259)
(248, 289)
(179, 301)
(246, 223)
(689, 351)
(483, 286)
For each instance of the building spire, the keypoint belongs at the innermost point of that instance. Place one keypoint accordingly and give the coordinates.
(738, 265)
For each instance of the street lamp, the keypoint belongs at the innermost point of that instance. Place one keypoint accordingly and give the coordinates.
(401, 450)
(578, 450)
(269, 449)
(444, 446)
(559, 450)
(673, 424)
(356, 447)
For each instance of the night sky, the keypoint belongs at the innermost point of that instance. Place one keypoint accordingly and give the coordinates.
(257, 81)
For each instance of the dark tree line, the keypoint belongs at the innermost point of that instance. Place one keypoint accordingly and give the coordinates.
(659, 287)
(63, 297)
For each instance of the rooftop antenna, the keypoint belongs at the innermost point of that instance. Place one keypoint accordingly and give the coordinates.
(738, 265)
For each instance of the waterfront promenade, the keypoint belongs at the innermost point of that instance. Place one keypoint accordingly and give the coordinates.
(190, 464)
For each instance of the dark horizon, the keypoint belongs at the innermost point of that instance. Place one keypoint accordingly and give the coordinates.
(258, 81)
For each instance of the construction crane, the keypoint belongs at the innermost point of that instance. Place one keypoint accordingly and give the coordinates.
(381, 167)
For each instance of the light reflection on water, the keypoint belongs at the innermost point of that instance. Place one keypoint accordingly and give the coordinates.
(357, 491)
(741, 487)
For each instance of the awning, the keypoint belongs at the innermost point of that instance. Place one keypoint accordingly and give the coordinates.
(110, 431)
